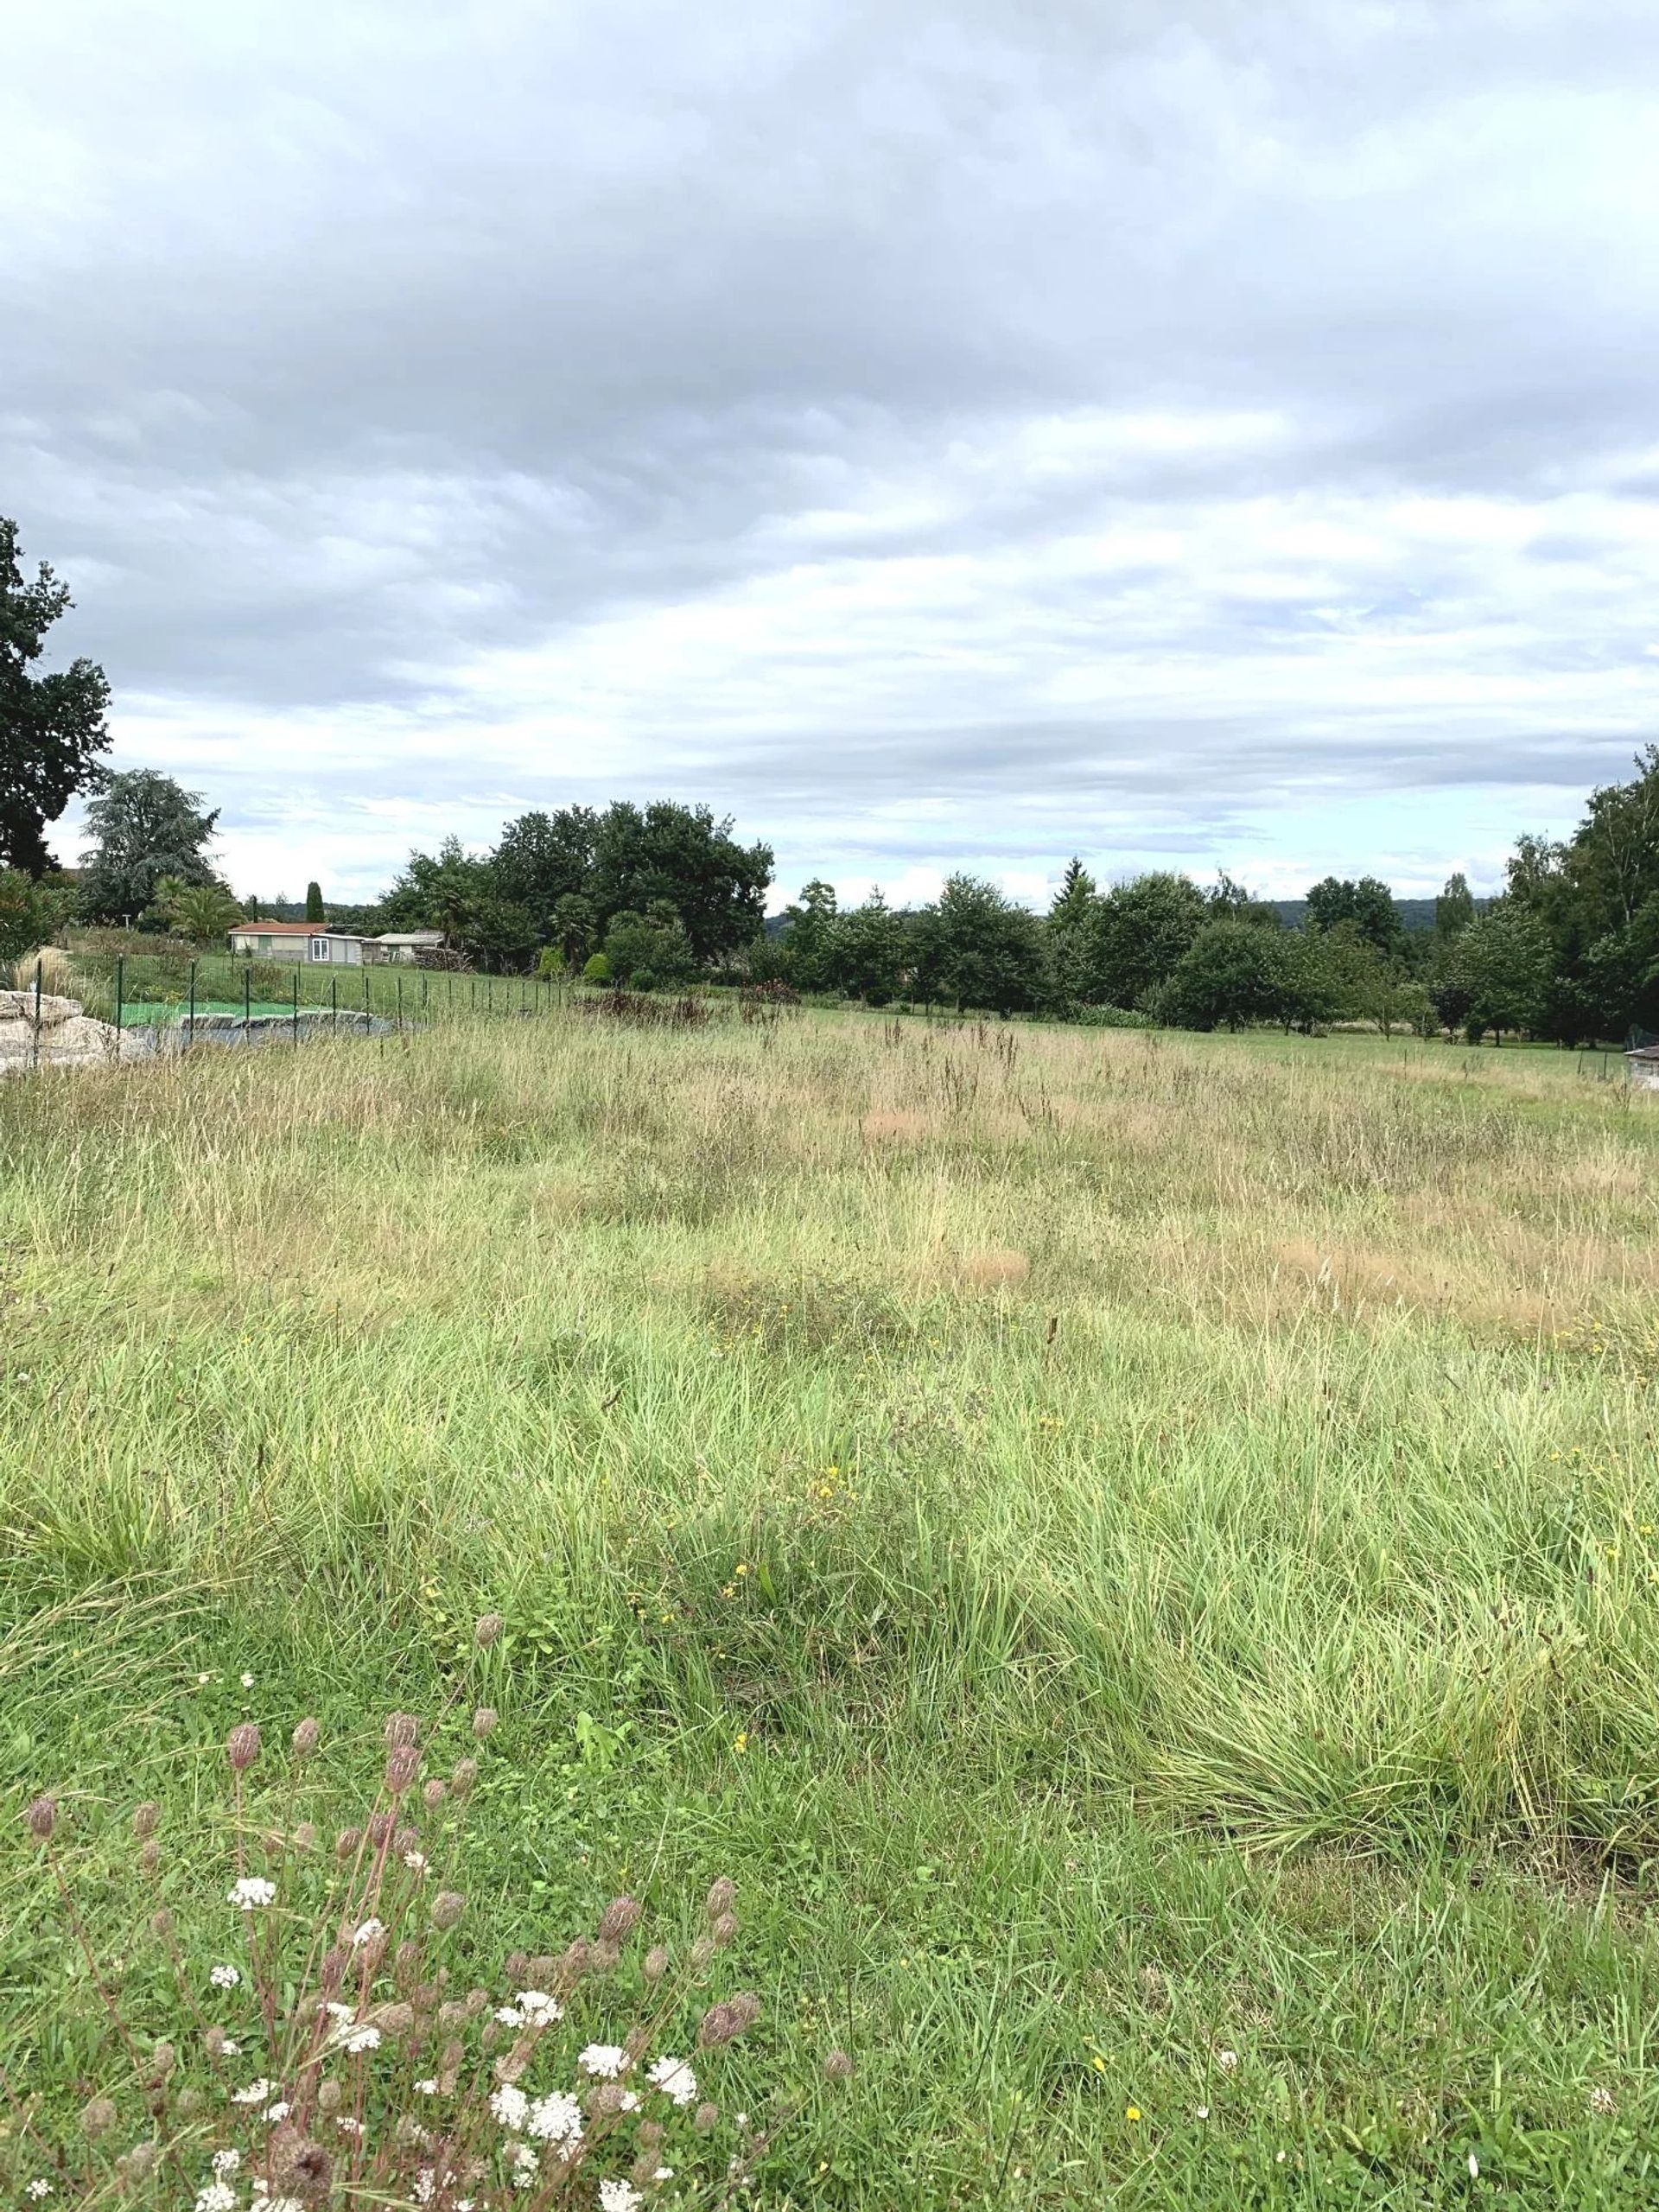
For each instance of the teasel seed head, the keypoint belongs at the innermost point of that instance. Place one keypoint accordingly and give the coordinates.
(717, 2025)
(621, 1919)
(145, 1819)
(406, 1962)
(465, 1775)
(703, 1952)
(347, 1844)
(483, 1720)
(655, 1965)
(190, 2101)
(242, 1746)
(380, 1829)
(433, 1793)
(305, 1836)
(306, 1738)
(606, 2098)
(487, 1629)
(403, 1730)
(746, 2010)
(150, 1855)
(837, 2067)
(96, 2118)
(402, 1767)
(41, 1817)
(724, 1931)
(330, 2096)
(706, 2117)
(721, 1898)
(161, 1922)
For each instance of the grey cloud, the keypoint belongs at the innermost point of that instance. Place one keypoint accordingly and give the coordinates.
(351, 353)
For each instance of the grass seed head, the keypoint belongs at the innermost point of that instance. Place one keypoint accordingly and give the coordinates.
(722, 1899)
(837, 2067)
(465, 1775)
(305, 1737)
(242, 1746)
(484, 1722)
(403, 1732)
(433, 1793)
(41, 1817)
(706, 2117)
(402, 1767)
(150, 1855)
(145, 1819)
(655, 1965)
(447, 1908)
(487, 1629)
(347, 1844)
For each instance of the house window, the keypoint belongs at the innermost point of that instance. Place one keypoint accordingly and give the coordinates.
(319, 948)
(265, 944)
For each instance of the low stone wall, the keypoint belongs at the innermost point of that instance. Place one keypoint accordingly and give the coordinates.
(65, 1036)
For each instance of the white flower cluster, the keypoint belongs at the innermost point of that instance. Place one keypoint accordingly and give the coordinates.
(224, 1977)
(674, 2079)
(537, 2009)
(253, 1890)
(367, 1932)
(616, 2196)
(255, 2093)
(555, 2119)
(218, 2196)
(603, 2060)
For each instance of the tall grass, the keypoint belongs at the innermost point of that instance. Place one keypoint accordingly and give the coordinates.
(1156, 1539)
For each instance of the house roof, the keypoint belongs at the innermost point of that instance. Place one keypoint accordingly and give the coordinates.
(410, 936)
(1644, 1052)
(286, 929)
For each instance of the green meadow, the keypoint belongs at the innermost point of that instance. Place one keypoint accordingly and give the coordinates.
(1137, 1553)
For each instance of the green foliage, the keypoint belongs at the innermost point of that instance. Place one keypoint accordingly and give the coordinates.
(145, 827)
(1368, 905)
(680, 856)
(597, 970)
(1145, 927)
(1233, 972)
(977, 948)
(1503, 961)
(204, 913)
(1073, 934)
(551, 965)
(810, 940)
(650, 950)
(315, 911)
(33, 911)
(871, 951)
(460, 895)
(1453, 909)
(54, 727)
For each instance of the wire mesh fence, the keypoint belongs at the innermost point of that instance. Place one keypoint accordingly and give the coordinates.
(129, 1006)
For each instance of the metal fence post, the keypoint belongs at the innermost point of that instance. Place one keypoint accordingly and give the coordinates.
(38, 964)
(120, 978)
(366, 1023)
(399, 981)
(296, 1007)
(190, 1032)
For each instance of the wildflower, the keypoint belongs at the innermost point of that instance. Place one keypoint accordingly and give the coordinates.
(41, 1819)
(837, 2067)
(1602, 2100)
(276, 2113)
(620, 1918)
(556, 2119)
(202, 1680)
(356, 2040)
(604, 2060)
(1131, 2112)
(402, 1731)
(510, 2105)
(227, 2162)
(415, 1861)
(255, 2093)
(526, 2164)
(1204, 2112)
(368, 1932)
(218, 2196)
(1227, 2060)
(483, 1720)
(1474, 2167)
(224, 1977)
(226, 2048)
(252, 1889)
(447, 1908)
(242, 1746)
(617, 2195)
(347, 2126)
(426, 2182)
(675, 2080)
(38, 2189)
(538, 2009)
(304, 1738)
(247, 1681)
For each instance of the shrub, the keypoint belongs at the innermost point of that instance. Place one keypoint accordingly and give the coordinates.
(597, 970)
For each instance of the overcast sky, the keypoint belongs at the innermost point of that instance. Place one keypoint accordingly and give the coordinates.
(1219, 434)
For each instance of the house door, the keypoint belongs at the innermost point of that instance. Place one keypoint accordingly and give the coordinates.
(319, 948)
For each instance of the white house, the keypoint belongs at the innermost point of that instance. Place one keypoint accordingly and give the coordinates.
(309, 941)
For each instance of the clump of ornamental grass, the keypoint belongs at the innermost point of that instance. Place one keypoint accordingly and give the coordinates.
(346, 2046)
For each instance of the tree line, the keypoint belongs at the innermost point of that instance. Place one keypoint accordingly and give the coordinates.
(664, 895)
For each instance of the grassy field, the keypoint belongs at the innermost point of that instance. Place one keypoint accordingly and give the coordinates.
(1138, 1553)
